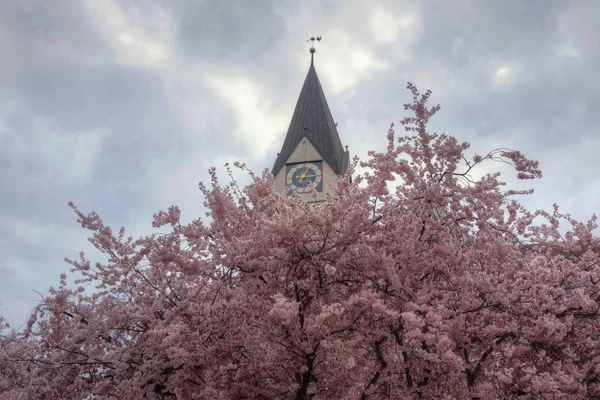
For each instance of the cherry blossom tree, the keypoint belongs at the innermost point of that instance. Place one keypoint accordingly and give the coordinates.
(417, 279)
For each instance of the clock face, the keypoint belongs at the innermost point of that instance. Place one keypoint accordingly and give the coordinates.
(302, 177)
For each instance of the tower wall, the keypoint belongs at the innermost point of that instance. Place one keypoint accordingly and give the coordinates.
(306, 152)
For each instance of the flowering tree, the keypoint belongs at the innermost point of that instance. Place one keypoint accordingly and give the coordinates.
(441, 286)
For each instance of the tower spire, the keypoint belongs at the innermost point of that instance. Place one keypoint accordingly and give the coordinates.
(312, 120)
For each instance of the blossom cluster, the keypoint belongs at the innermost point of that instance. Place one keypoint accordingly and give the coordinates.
(415, 279)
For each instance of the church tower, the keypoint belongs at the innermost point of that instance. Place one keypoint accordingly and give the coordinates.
(312, 154)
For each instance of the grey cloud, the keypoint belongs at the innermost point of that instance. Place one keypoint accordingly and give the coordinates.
(471, 40)
(462, 32)
(48, 21)
(74, 98)
(58, 68)
(239, 32)
(36, 30)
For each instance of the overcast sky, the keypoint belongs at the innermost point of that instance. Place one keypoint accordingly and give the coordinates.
(121, 107)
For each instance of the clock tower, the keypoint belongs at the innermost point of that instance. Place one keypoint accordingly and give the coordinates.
(312, 154)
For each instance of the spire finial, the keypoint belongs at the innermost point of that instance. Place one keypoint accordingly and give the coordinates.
(312, 47)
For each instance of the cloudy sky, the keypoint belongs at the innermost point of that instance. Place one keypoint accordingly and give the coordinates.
(122, 106)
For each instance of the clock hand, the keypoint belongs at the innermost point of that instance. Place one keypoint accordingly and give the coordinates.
(306, 176)
(306, 171)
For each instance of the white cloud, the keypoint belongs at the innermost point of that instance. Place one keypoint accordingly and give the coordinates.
(7, 107)
(3, 130)
(359, 41)
(349, 52)
(86, 148)
(566, 50)
(38, 234)
(383, 26)
(136, 39)
(346, 63)
(444, 82)
(387, 27)
(504, 76)
(566, 171)
(17, 268)
(171, 185)
(72, 156)
(569, 176)
(577, 25)
(186, 93)
(258, 121)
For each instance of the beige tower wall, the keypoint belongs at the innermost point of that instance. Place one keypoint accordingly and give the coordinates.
(305, 151)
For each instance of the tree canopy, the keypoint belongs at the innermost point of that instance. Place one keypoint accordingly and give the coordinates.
(415, 279)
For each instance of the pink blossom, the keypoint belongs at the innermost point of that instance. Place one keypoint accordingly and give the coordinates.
(443, 286)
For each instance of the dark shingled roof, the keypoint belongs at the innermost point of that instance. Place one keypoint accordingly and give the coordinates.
(313, 119)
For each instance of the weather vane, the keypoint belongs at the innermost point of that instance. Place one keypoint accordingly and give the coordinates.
(313, 38)
(312, 44)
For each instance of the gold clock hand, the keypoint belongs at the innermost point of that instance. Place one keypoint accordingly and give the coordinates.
(306, 171)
